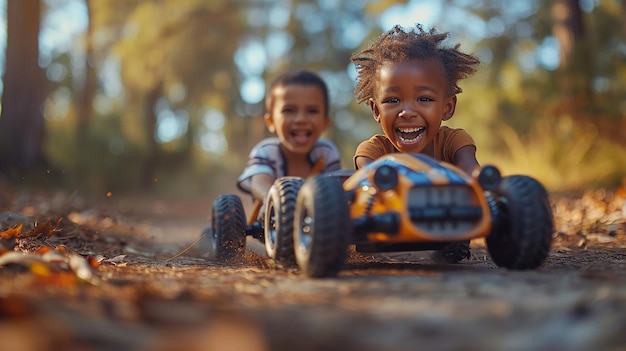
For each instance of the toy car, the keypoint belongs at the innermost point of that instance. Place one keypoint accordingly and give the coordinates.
(410, 202)
(229, 227)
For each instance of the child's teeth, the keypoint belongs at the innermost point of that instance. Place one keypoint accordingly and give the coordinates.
(405, 133)
(410, 130)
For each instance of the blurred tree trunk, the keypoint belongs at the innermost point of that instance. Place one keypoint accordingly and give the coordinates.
(568, 27)
(150, 164)
(21, 121)
(624, 18)
(86, 96)
(576, 67)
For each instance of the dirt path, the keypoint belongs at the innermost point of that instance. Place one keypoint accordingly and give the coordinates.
(136, 299)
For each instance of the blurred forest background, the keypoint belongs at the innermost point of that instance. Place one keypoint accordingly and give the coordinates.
(165, 96)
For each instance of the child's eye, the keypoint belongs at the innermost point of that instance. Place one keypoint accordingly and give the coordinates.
(424, 99)
(314, 110)
(392, 100)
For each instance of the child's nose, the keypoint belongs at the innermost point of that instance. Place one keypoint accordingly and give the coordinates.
(406, 112)
(299, 117)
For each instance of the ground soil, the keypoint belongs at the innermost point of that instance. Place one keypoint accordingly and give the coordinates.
(136, 293)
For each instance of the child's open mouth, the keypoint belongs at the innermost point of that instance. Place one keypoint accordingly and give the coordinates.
(301, 137)
(410, 135)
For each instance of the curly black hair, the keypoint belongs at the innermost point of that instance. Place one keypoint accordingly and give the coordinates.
(398, 45)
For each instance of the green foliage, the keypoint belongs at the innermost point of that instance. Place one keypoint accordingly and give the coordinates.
(563, 126)
(561, 154)
(105, 162)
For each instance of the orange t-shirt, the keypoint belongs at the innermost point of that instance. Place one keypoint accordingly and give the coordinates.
(446, 143)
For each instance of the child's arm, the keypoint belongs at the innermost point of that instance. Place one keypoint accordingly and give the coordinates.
(260, 185)
(465, 158)
(362, 161)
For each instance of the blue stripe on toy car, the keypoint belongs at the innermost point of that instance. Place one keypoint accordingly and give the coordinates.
(427, 160)
(422, 178)
(415, 176)
(450, 174)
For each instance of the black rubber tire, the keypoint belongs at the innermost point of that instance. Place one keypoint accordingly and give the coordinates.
(323, 227)
(523, 224)
(280, 207)
(228, 226)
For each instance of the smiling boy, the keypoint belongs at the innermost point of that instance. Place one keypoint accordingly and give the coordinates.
(297, 111)
(409, 81)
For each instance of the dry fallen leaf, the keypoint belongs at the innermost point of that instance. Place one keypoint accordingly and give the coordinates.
(20, 258)
(62, 279)
(11, 232)
(43, 231)
(93, 262)
(52, 267)
(82, 268)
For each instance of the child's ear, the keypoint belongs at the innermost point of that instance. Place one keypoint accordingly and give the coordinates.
(326, 122)
(450, 107)
(269, 122)
(375, 111)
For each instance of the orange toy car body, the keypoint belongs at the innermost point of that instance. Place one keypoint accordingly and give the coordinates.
(410, 202)
(432, 202)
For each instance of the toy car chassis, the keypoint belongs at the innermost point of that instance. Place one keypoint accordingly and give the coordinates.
(409, 202)
(400, 202)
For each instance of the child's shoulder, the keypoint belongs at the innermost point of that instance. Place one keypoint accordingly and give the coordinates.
(274, 143)
(324, 148)
(266, 148)
(325, 143)
(268, 142)
(446, 132)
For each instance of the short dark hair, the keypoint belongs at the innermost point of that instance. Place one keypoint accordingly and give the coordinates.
(398, 45)
(302, 77)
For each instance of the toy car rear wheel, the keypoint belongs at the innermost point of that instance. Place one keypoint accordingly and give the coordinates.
(523, 224)
(228, 227)
(323, 227)
(278, 224)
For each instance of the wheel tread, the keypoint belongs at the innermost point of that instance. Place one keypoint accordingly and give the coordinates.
(331, 238)
(525, 244)
(228, 226)
(288, 188)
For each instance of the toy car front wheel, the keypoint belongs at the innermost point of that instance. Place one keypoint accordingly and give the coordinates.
(279, 213)
(228, 226)
(523, 224)
(323, 227)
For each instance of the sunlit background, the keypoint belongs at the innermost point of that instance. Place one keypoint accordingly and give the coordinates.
(197, 72)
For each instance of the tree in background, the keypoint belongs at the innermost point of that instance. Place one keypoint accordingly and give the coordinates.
(177, 68)
(171, 90)
(547, 100)
(21, 122)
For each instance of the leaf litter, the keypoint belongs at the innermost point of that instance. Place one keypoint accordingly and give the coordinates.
(65, 251)
(49, 265)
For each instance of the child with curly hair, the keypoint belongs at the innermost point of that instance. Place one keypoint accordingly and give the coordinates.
(409, 80)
